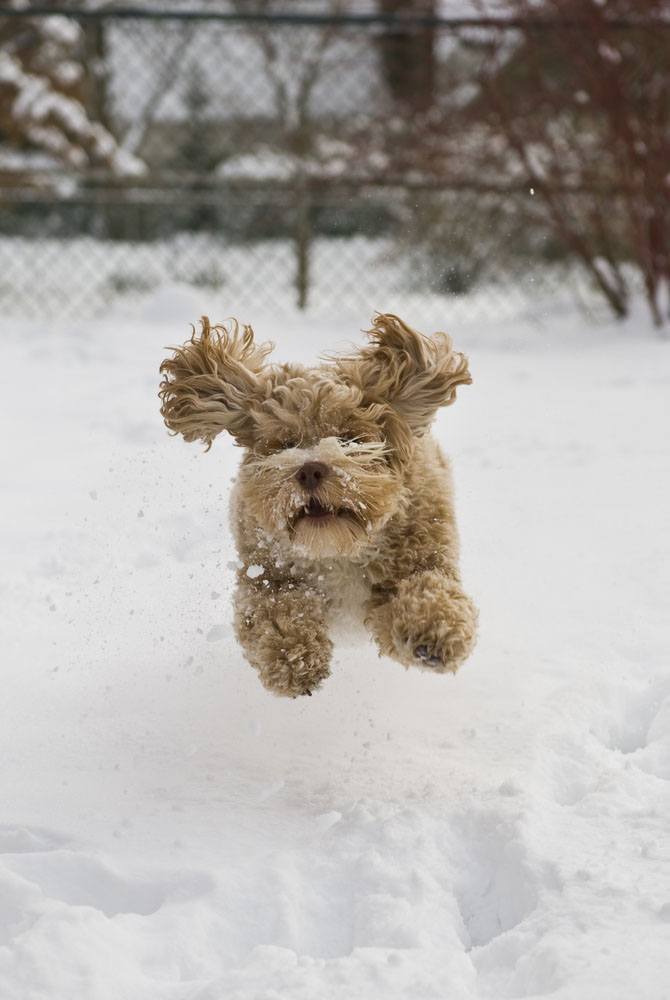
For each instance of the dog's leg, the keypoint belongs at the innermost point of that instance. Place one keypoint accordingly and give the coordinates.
(282, 626)
(426, 620)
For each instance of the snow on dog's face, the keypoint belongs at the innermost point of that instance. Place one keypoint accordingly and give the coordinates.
(326, 490)
(327, 447)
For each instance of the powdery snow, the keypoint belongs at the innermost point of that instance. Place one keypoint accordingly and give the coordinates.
(171, 830)
(255, 571)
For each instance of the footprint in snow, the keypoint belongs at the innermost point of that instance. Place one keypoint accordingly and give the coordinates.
(79, 879)
(643, 721)
(498, 888)
(28, 840)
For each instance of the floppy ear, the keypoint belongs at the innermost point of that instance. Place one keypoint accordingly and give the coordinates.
(211, 383)
(412, 373)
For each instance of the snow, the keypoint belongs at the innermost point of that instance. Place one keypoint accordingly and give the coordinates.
(37, 104)
(61, 29)
(254, 571)
(170, 831)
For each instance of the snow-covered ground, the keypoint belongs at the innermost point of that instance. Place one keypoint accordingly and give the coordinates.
(170, 831)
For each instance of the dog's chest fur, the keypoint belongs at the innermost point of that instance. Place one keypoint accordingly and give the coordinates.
(347, 590)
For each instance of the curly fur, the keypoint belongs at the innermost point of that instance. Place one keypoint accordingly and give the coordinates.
(209, 380)
(385, 493)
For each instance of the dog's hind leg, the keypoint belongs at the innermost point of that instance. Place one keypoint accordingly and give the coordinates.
(281, 624)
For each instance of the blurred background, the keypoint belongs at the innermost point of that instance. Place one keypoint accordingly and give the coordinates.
(481, 157)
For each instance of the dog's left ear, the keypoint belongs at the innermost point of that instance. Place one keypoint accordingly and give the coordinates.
(413, 373)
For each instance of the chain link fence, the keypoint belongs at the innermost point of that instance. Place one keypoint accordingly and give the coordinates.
(279, 161)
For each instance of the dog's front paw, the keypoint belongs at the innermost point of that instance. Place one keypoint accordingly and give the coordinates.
(284, 636)
(430, 622)
(297, 665)
(441, 644)
(290, 651)
(440, 634)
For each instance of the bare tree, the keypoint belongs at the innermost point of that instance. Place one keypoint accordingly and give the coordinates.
(582, 102)
(164, 80)
(294, 68)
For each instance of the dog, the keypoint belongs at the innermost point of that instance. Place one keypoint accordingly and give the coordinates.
(339, 471)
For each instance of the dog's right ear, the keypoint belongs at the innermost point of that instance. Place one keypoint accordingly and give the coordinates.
(211, 383)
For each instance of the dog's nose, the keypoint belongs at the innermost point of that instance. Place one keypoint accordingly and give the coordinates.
(311, 475)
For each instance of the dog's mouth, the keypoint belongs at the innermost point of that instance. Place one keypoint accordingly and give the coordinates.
(317, 513)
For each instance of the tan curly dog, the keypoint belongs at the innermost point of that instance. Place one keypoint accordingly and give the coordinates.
(339, 471)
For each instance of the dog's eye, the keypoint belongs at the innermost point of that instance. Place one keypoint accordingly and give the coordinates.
(347, 436)
(290, 444)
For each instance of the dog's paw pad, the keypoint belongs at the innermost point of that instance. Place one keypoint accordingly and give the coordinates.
(424, 654)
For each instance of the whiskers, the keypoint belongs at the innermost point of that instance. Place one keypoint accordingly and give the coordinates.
(362, 450)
